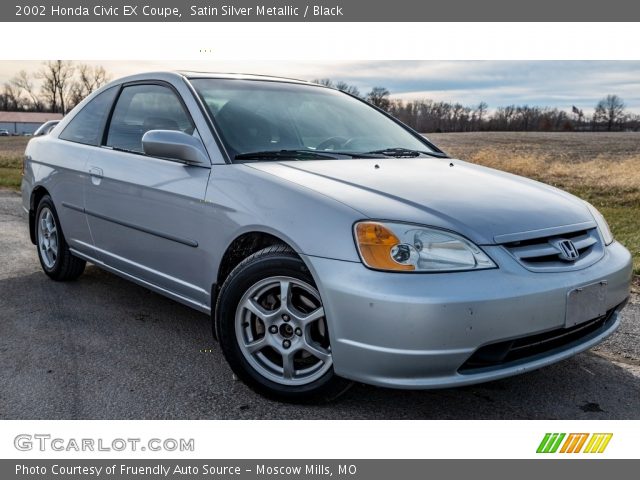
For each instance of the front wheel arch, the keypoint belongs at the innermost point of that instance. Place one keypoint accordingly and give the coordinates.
(242, 247)
(277, 262)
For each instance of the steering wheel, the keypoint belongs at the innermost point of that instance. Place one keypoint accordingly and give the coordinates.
(332, 143)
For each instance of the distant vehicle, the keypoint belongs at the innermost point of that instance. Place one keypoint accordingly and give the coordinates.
(45, 128)
(4, 133)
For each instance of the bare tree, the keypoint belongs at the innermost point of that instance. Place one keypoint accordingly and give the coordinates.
(379, 96)
(578, 115)
(609, 110)
(327, 82)
(10, 99)
(57, 87)
(350, 89)
(340, 85)
(94, 77)
(481, 110)
(89, 79)
(57, 77)
(25, 85)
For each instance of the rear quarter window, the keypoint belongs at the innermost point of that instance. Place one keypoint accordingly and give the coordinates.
(87, 126)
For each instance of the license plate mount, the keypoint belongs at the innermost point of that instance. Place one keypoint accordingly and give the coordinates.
(586, 303)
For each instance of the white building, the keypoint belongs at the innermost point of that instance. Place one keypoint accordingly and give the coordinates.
(19, 123)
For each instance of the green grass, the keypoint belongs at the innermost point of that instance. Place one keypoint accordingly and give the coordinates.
(623, 216)
(625, 225)
(11, 152)
(10, 177)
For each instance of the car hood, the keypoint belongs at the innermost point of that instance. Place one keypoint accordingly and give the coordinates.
(483, 204)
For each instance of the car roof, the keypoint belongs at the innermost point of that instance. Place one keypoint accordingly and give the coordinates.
(243, 76)
(190, 75)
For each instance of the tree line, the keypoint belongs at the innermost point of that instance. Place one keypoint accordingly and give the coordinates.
(610, 114)
(59, 85)
(56, 87)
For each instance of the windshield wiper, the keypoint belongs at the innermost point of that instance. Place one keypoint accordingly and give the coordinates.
(331, 154)
(355, 154)
(400, 152)
(284, 155)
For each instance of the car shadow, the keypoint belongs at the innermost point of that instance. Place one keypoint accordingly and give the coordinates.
(104, 348)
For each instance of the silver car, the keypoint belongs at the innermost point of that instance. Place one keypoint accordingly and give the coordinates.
(329, 242)
(46, 128)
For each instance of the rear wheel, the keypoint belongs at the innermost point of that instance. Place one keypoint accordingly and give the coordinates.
(273, 330)
(56, 259)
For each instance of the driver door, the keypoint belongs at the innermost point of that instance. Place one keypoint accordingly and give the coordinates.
(145, 213)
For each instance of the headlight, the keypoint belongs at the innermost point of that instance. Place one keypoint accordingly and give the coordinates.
(603, 226)
(402, 247)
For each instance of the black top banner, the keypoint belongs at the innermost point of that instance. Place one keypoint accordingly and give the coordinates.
(320, 11)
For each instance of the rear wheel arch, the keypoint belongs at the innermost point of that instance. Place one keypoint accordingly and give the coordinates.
(56, 259)
(36, 195)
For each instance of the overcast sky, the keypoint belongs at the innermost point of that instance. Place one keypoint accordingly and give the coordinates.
(545, 83)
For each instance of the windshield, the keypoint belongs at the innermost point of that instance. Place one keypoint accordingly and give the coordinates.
(254, 116)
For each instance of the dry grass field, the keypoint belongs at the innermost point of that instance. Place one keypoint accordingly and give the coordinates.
(602, 168)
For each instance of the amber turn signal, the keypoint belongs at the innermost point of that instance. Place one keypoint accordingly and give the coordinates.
(375, 242)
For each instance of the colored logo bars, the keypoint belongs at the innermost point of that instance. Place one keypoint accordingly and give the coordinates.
(574, 443)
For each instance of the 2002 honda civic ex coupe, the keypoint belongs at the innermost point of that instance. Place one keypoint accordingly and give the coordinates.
(329, 242)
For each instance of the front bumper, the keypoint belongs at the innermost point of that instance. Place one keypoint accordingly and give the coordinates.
(417, 330)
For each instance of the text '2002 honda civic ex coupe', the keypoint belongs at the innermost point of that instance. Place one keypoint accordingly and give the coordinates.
(328, 241)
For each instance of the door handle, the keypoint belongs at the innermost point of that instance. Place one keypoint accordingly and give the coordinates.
(96, 175)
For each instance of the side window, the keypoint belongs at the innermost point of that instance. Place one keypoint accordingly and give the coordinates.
(141, 108)
(86, 127)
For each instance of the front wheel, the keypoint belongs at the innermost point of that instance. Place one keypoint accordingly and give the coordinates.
(273, 330)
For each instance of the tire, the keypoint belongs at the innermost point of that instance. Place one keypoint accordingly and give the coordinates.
(280, 351)
(56, 259)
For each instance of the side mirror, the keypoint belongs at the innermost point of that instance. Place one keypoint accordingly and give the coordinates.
(174, 145)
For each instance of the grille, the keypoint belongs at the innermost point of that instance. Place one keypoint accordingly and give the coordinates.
(503, 354)
(544, 254)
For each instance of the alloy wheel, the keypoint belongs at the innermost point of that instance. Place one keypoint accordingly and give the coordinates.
(48, 244)
(282, 332)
